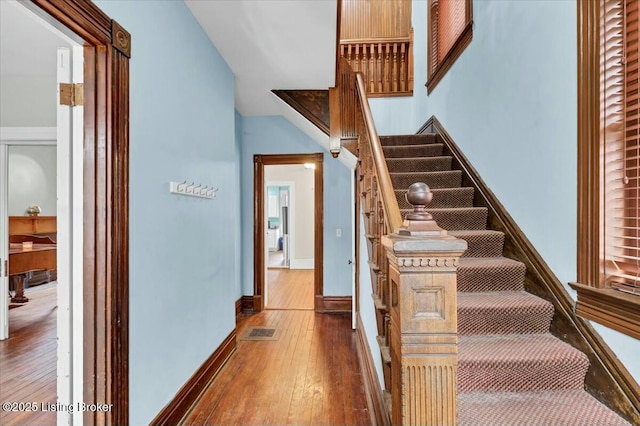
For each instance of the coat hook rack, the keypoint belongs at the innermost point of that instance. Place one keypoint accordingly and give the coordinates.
(192, 189)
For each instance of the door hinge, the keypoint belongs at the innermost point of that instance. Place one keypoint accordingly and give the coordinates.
(6, 268)
(71, 94)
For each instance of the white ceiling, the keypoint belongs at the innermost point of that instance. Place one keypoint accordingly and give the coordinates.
(271, 44)
(28, 45)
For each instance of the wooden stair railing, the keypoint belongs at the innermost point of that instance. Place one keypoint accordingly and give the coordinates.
(386, 64)
(413, 270)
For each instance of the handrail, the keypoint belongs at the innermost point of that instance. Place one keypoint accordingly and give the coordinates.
(382, 40)
(408, 343)
(393, 218)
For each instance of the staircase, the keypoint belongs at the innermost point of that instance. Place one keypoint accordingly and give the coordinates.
(511, 369)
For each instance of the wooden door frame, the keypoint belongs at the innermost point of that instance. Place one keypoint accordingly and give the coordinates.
(107, 49)
(259, 161)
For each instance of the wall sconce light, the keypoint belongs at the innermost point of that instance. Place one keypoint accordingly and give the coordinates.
(334, 147)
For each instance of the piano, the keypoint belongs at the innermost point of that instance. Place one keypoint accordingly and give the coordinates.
(32, 253)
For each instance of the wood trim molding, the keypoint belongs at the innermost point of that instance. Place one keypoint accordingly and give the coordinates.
(106, 201)
(189, 393)
(258, 233)
(614, 309)
(247, 303)
(121, 39)
(588, 142)
(244, 304)
(607, 379)
(259, 161)
(238, 308)
(333, 304)
(82, 17)
(372, 389)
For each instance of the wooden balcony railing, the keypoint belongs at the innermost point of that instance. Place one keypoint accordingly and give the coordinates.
(386, 64)
(413, 270)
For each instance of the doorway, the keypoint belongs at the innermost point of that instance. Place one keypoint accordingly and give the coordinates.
(302, 256)
(32, 310)
(280, 208)
(99, 340)
(38, 188)
(289, 207)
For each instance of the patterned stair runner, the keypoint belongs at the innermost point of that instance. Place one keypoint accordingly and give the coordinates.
(511, 370)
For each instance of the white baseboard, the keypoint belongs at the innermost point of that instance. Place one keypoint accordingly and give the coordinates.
(301, 264)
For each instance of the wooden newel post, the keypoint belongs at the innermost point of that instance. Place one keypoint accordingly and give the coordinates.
(423, 336)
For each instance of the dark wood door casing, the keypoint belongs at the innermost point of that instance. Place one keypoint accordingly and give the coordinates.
(259, 161)
(107, 49)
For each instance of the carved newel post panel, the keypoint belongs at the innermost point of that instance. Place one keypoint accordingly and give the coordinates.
(424, 340)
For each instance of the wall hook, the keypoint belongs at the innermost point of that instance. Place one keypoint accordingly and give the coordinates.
(192, 189)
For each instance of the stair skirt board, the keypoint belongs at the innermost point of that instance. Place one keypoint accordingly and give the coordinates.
(373, 391)
(520, 345)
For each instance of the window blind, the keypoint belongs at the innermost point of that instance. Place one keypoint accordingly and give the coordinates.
(620, 154)
(448, 21)
(451, 23)
(433, 27)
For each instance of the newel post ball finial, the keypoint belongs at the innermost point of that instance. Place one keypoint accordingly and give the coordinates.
(419, 195)
(419, 222)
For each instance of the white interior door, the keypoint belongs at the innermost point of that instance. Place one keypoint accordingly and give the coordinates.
(69, 244)
(265, 245)
(352, 261)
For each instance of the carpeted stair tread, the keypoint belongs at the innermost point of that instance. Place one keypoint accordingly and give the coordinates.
(444, 179)
(481, 243)
(477, 274)
(518, 362)
(442, 197)
(547, 408)
(407, 151)
(417, 164)
(503, 312)
(459, 218)
(408, 139)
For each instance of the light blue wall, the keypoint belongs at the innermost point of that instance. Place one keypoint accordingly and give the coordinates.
(239, 212)
(510, 103)
(182, 249)
(276, 135)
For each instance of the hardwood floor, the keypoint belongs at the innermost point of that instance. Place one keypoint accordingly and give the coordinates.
(28, 359)
(290, 289)
(310, 375)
